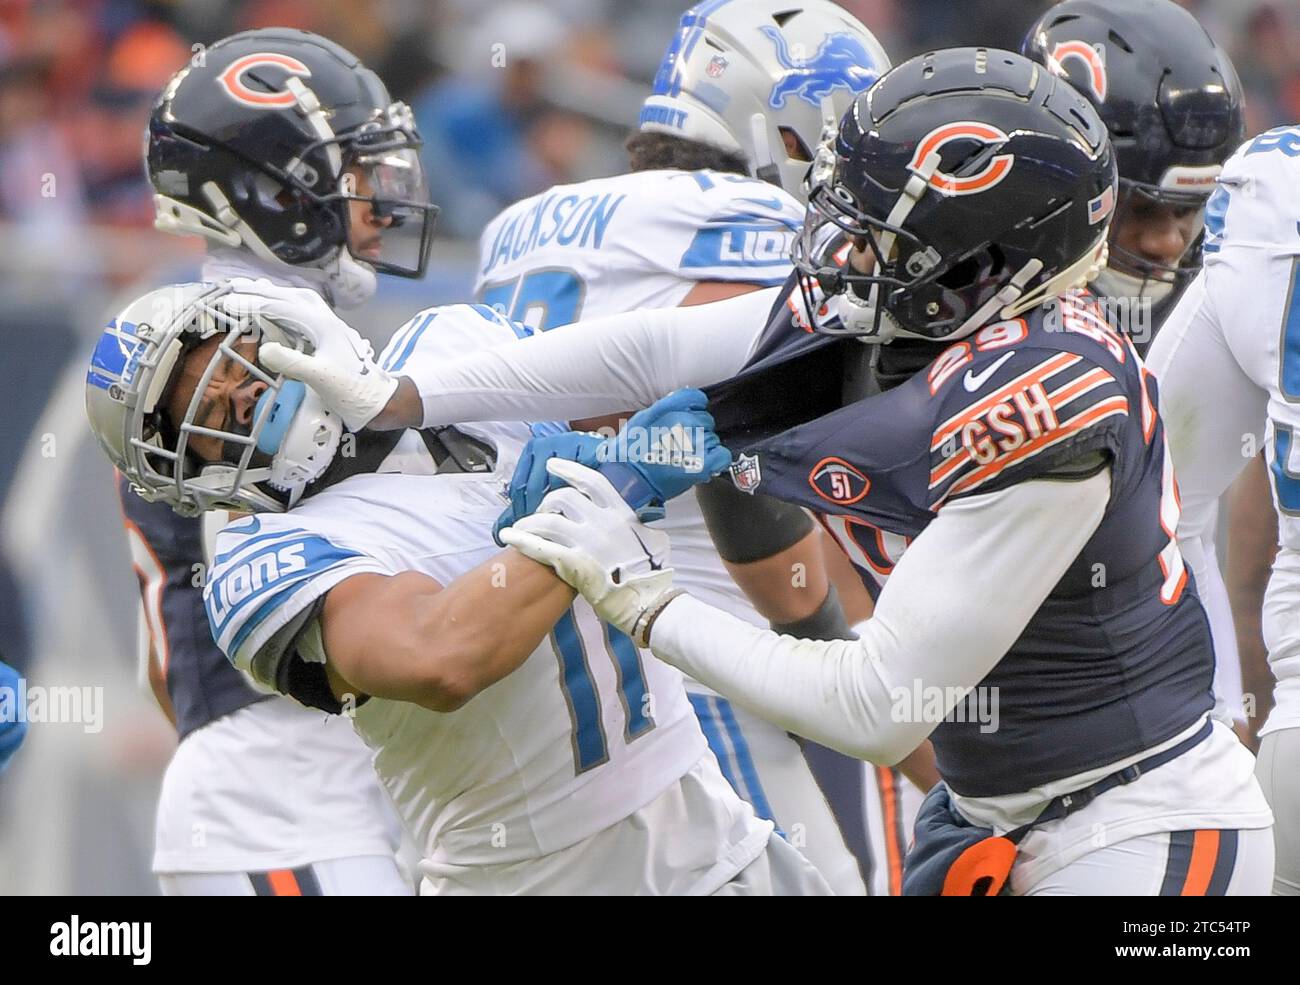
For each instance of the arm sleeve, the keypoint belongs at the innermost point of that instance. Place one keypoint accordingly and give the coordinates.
(1210, 442)
(621, 362)
(958, 599)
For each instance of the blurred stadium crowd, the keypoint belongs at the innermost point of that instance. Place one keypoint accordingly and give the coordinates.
(511, 97)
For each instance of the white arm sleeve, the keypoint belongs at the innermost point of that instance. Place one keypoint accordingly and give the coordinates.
(1210, 442)
(957, 600)
(621, 362)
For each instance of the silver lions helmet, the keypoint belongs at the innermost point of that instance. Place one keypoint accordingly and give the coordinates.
(164, 382)
(746, 75)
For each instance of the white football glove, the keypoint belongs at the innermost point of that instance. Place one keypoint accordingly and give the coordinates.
(340, 368)
(595, 543)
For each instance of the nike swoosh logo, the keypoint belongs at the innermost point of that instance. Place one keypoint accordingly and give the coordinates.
(973, 381)
(654, 565)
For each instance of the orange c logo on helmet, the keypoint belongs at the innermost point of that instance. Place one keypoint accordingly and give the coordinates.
(948, 184)
(232, 80)
(1094, 59)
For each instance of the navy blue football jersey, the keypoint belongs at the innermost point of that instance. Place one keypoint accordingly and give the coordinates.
(1118, 658)
(167, 552)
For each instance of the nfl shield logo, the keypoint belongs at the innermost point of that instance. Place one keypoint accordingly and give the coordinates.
(717, 65)
(745, 473)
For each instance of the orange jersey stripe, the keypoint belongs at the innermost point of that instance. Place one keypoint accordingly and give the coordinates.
(889, 824)
(1107, 408)
(1056, 399)
(1062, 360)
(283, 882)
(1205, 852)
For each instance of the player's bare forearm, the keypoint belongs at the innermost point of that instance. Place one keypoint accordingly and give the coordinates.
(1252, 545)
(407, 638)
(855, 600)
(788, 586)
(403, 410)
(920, 768)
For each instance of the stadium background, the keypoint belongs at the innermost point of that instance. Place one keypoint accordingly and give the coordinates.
(77, 78)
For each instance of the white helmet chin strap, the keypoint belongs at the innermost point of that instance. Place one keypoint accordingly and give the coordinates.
(860, 313)
(1112, 283)
(345, 281)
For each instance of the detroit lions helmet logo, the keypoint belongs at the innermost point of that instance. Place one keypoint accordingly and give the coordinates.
(841, 60)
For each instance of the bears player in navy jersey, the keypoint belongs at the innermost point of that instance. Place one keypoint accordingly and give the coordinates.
(998, 453)
(1173, 106)
(243, 809)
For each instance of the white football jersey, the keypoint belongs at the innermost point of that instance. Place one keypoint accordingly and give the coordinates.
(587, 731)
(641, 240)
(1228, 363)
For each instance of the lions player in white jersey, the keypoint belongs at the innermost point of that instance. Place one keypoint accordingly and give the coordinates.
(1228, 362)
(250, 147)
(528, 747)
(742, 79)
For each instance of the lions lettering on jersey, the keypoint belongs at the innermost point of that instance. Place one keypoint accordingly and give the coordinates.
(1122, 638)
(253, 579)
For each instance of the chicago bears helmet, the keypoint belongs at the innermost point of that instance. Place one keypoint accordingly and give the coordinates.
(1171, 101)
(137, 362)
(264, 140)
(740, 74)
(978, 183)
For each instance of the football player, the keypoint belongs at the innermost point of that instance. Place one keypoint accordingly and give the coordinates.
(739, 91)
(1173, 106)
(528, 747)
(1062, 669)
(1228, 360)
(291, 158)
(262, 796)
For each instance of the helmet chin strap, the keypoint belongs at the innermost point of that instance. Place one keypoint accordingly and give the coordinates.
(859, 315)
(343, 280)
(1113, 283)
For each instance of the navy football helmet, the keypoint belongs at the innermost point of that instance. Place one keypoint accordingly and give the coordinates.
(1172, 103)
(979, 183)
(263, 141)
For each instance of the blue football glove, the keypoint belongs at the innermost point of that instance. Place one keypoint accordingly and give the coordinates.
(11, 732)
(531, 481)
(662, 452)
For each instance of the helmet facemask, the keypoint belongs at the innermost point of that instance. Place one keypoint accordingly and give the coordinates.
(1130, 274)
(912, 290)
(381, 168)
(263, 465)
